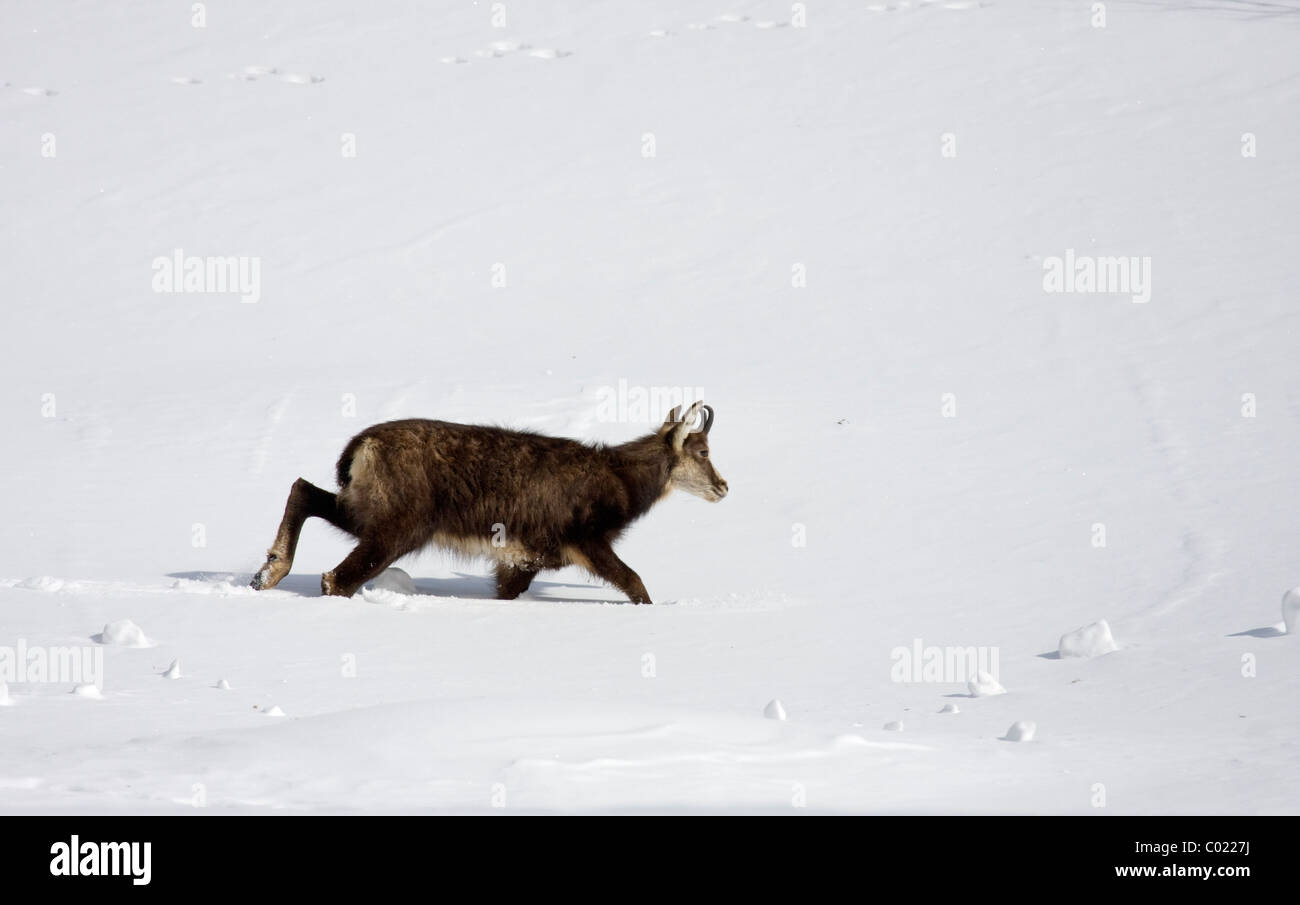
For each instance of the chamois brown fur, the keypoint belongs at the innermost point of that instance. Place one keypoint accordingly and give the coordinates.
(527, 501)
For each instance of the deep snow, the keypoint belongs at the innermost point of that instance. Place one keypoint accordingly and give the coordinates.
(951, 440)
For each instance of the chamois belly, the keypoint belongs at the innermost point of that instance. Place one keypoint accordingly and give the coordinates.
(509, 552)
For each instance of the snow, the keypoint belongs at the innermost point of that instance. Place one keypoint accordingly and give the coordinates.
(1091, 640)
(1291, 610)
(921, 442)
(396, 580)
(774, 710)
(1022, 731)
(984, 685)
(123, 633)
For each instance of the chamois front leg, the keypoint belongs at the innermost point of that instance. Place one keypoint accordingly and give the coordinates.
(368, 559)
(606, 564)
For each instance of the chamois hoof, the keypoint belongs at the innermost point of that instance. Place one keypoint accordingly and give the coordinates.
(261, 578)
(271, 573)
(329, 588)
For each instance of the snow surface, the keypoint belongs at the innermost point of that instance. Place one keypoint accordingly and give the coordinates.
(396, 580)
(1092, 640)
(945, 434)
(1021, 731)
(1291, 610)
(984, 685)
(123, 633)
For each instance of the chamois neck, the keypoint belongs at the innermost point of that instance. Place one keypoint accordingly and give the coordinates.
(644, 464)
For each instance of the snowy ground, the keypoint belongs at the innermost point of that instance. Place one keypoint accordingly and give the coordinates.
(150, 438)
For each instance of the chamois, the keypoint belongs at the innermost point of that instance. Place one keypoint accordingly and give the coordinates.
(526, 500)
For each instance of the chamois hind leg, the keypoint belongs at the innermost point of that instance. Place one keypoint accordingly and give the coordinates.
(365, 562)
(604, 562)
(305, 500)
(512, 581)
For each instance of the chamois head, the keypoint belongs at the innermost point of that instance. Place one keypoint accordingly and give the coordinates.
(687, 437)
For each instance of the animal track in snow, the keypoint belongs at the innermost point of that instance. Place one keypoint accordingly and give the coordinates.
(34, 92)
(728, 19)
(503, 48)
(1203, 544)
(274, 415)
(255, 72)
(221, 584)
(721, 21)
(919, 4)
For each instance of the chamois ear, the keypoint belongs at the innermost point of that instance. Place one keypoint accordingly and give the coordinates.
(690, 421)
(674, 418)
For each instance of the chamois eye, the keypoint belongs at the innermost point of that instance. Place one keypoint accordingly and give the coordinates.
(704, 454)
